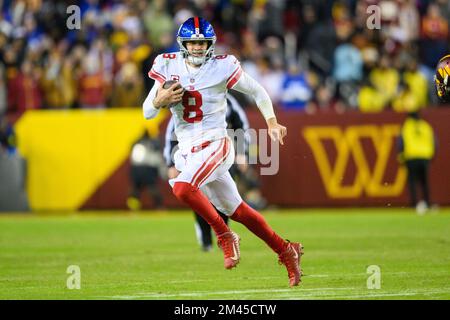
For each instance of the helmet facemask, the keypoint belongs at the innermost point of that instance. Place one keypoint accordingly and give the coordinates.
(195, 59)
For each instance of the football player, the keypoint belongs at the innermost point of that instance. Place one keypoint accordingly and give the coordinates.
(198, 105)
(441, 79)
(236, 119)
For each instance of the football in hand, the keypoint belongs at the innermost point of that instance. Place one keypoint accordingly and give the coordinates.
(167, 84)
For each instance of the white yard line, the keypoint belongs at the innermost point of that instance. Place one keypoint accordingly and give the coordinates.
(293, 294)
(361, 296)
(217, 293)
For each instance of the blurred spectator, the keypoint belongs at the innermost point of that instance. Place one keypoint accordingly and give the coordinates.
(8, 141)
(319, 40)
(369, 54)
(251, 48)
(13, 196)
(348, 64)
(273, 50)
(146, 167)
(270, 77)
(158, 21)
(58, 85)
(84, 67)
(3, 92)
(324, 100)
(370, 99)
(23, 90)
(104, 54)
(128, 87)
(385, 79)
(406, 100)
(444, 8)
(92, 85)
(308, 20)
(251, 53)
(434, 35)
(342, 20)
(417, 82)
(267, 18)
(416, 146)
(296, 91)
(408, 22)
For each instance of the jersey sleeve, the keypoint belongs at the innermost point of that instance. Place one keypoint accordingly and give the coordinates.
(234, 71)
(158, 70)
(170, 143)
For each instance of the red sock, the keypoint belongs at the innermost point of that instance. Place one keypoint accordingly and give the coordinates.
(193, 197)
(256, 223)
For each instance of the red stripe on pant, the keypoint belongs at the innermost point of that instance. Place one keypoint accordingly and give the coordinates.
(213, 164)
(214, 157)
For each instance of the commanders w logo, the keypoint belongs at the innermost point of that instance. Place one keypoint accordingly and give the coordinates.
(348, 143)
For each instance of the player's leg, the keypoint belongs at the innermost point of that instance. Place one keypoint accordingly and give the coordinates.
(202, 228)
(289, 253)
(204, 232)
(224, 195)
(203, 167)
(197, 168)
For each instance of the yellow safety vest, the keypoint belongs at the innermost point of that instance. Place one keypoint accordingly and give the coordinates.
(418, 139)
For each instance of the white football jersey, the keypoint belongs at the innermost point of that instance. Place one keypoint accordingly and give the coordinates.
(201, 114)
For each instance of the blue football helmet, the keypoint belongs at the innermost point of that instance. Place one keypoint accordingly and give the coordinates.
(192, 29)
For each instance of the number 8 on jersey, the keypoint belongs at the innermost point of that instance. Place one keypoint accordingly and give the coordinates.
(192, 103)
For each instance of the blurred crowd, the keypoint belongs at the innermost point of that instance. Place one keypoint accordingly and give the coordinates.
(311, 55)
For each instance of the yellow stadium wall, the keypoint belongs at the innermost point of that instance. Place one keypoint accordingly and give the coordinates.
(71, 153)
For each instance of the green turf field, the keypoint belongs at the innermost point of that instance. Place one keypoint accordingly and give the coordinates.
(156, 256)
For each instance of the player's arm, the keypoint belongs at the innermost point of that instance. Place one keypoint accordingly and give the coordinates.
(250, 86)
(170, 143)
(158, 98)
(150, 111)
